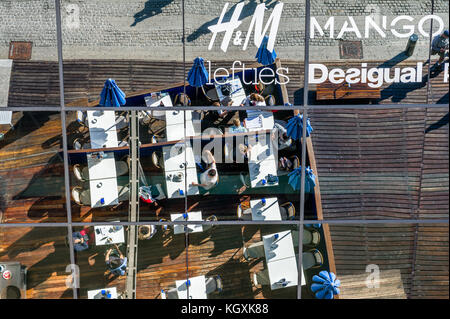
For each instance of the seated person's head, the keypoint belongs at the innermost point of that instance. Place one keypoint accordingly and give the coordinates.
(284, 137)
(212, 172)
(236, 122)
(243, 148)
(256, 97)
(216, 104)
(115, 263)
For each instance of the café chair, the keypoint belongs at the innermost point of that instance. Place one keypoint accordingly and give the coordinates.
(182, 99)
(146, 232)
(80, 144)
(211, 95)
(214, 284)
(261, 278)
(124, 193)
(245, 179)
(81, 174)
(311, 237)
(169, 294)
(270, 100)
(312, 259)
(157, 160)
(254, 251)
(82, 121)
(287, 211)
(212, 218)
(122, 168)
(245, 214)
(81, 197)
(122, 122)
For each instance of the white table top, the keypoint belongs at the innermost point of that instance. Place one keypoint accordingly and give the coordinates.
(266, 163)
(106, 237)
(192, 216)
(102, 129)
(268, 121)
(102, 168)
(93, 293)
(284, 269)
(175, 120)
(176, 155)
(173, 187)
(197, 289)
(105, 188)
(270, 211)
(281, 260)
(283, 246)
(238, 94)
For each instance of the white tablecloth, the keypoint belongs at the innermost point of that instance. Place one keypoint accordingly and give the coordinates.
(103, 180)
(192, 216)
(108, 235)
(174, 156)
(270, 211)
(93, 293)
(237, 94)
(102, 129)
(197, 288)
(281, 260)
(262, 162)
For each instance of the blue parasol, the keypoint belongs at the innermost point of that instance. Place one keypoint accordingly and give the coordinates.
(295, 178)
(294, 127)
(198, 76)
(264, 56)
(111, 94)
(325, 285)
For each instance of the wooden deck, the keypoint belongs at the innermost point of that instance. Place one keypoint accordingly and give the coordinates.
(369, 163)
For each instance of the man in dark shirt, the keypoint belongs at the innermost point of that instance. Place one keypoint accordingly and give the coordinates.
(80, 241)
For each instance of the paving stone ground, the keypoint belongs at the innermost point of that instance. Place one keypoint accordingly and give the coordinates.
(152, 30)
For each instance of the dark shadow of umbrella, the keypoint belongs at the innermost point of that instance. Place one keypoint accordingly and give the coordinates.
(442, 122)
(443, 100)
(394, 61)
(247, 11)
(152, 8)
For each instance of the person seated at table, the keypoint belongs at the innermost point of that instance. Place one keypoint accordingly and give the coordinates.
(244, 150)
(284, 141)
(209, 178)
(80, 240)
(254, 99)
(237, 127)
(116, 261)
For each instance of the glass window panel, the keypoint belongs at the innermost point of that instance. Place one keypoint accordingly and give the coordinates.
(137, 44)
(28, 54)
(31, 168)
(389, 261)
(43, 255)
(369, 163)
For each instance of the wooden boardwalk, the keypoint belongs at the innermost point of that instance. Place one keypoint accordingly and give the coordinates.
(371, 164)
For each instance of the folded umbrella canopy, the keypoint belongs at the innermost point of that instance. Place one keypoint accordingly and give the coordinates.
(264, 56)
(198, 76)
(294, 127)
(295, 179)
(325, 285)
(111, 94)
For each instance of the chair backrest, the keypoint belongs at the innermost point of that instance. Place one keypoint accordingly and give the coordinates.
(77, 171)
(6, 117)
(182, 99)
(76, 193)
(270, 100)
(77, 144)
(172, 293)
(254, 251)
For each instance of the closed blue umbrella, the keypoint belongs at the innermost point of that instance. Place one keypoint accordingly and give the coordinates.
(294, 127)
(111, 94)
(295, 178)
(264, 56)
(325, 285)
(198, 76)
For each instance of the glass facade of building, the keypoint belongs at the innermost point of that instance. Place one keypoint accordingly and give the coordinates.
(316, 144)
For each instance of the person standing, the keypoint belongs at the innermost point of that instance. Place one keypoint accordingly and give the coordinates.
(439, 46)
